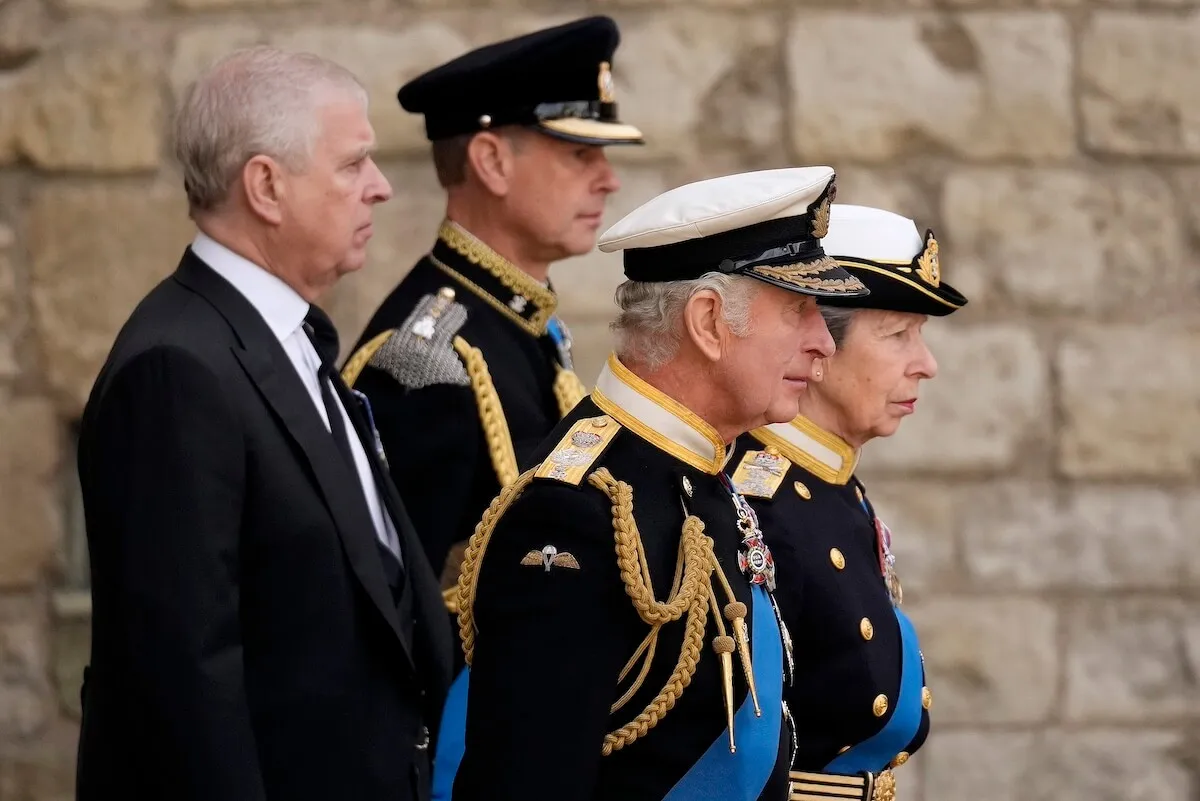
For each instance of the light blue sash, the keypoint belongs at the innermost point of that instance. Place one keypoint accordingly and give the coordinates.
(741, 776)
(452, 738)
(876, 752)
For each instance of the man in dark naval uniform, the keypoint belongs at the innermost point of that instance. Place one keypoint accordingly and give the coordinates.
(615, 602)
(465, 365)
(858, 691)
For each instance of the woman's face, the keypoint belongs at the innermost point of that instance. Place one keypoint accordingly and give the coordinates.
(870, 383)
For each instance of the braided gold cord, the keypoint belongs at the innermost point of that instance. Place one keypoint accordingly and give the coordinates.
(693, 597)
(491, 414)
(468, 576)
(568, 390)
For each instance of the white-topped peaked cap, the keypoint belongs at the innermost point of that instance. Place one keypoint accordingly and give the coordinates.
(765, 225)
(887, 253)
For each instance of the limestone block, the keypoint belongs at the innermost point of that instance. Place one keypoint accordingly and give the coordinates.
(384, 60)
(1133, 660)
(923, 522)
(1021, 535)
(1063, 240)
(95, 106)
(1147, 427)
(1058, 765)
(988, 660)
(585, 284)
(987, 402)
(24, 692)
(876, 88)
(700, 79)
(1139, 94)
(197, 47)
(95, 250)
(29, 461)
(24, 27)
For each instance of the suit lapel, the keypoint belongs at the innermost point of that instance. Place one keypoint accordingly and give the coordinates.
(270, 369)
(426, 592)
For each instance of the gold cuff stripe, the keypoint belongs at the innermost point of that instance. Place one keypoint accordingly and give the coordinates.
(362, 357)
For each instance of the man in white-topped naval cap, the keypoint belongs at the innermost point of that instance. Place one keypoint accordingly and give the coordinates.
(655, 671)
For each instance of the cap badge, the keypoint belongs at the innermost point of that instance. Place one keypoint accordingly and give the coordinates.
(605, 82)
(928, 265)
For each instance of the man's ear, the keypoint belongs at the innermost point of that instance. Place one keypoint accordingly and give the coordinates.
(491, 158)
(704, 325)
(265, 188)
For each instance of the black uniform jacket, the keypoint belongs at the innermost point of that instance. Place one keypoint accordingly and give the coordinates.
(467, 370)
(552, 625)
(832, 589)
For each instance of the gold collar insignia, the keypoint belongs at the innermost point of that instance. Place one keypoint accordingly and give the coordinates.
(504, 286)
(822, 453)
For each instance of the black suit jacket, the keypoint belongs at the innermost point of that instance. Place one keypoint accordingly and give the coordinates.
(245, 642)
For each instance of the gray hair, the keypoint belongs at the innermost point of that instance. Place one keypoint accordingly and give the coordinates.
(647, 328)
(255, 101)
(837, 320)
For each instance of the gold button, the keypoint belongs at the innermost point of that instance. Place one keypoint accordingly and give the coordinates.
(868, 631)
(772, 450)
(843, 749)
(926, 697)
(446, 292)
(880, 706)
(599, 422)
(836, 557)
(802, 491)
(900, 759)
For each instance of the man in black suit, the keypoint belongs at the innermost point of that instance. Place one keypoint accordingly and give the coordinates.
(265, 623)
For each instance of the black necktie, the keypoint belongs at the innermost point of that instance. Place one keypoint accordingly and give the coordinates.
(324, 337)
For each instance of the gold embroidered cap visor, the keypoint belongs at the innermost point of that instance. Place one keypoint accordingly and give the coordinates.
(765, 225)
(558, 81)
(885, 251)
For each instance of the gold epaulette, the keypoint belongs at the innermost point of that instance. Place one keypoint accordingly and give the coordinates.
(578, 450)
(760, 473)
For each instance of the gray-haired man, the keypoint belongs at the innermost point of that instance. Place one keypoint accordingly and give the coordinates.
(266, 625)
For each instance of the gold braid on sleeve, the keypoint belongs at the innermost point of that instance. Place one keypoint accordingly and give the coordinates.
(491, 414)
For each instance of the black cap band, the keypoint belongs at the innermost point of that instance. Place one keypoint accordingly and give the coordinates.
(773, 242)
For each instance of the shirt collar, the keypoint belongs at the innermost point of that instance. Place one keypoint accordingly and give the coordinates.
(822, 453)
(280, 306)
(658, 418)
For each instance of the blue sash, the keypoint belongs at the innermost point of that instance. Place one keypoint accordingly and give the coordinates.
(876, 752)
(720, 775)
(452, 738)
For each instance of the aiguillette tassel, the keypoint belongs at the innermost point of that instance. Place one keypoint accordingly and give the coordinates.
(723, 645)
(735, 613)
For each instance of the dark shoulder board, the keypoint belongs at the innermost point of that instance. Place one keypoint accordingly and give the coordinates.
(421, 351)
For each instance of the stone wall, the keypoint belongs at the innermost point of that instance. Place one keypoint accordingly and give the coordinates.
(1045, 497)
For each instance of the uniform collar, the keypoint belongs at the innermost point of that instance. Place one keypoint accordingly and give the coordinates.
(822, 453)
(659, 419)
(500, 283)
(280, 306)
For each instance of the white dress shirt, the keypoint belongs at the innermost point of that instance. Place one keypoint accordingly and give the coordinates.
(284, 310)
